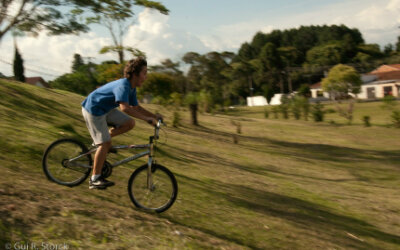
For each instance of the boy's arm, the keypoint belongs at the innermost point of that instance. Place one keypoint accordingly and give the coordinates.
(138, 112)
(145, 112)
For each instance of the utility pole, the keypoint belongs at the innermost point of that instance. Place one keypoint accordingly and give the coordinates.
(287, 72)
(250, 80)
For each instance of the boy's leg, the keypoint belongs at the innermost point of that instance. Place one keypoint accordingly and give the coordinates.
(97, 126)
(122, 122)
(125, 127)
(100, 157)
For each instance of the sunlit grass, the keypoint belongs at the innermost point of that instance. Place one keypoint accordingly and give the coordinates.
(286, 184)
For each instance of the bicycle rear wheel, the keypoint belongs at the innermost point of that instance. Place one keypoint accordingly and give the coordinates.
(56, 163)
(160, 196)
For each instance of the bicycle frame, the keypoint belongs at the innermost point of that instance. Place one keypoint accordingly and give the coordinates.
(149, 152)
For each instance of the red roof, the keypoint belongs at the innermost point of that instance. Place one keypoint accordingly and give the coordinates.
(316, 85)
(386, 68)
(34, 80)
(391, 75)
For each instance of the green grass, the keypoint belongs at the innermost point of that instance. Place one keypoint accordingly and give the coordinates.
(286, 184)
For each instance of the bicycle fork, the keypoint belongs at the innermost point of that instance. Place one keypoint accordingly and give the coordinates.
(149, 166)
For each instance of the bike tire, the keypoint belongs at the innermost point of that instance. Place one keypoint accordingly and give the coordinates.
(164, 183)
(55, 156)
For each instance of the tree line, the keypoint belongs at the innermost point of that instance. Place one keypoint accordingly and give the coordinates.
(277, 62)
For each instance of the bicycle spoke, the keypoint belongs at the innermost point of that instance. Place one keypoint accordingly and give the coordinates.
(55, 162)
(159, 196)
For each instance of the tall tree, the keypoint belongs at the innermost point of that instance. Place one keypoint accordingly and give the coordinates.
(77, 62)
(33, 16)
(117, 19)
(18, 66)
(272, 65)
(172, 68)
(398, 44)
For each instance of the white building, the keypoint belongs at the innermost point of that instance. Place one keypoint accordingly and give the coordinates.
(379, 83)
(256, 101)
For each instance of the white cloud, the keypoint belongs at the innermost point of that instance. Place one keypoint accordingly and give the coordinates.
(378, 22)
(153, 35)
(230, 37)
(376, 19)
(52, 54)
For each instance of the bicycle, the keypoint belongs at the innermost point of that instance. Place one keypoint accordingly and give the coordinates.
(151, 187)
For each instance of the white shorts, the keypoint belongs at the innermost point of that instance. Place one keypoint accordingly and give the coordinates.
(98, 125)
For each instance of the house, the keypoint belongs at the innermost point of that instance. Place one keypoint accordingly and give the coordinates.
(37, 81)
(381, 82)
(317, 93)
(256, 101)
(378, 83)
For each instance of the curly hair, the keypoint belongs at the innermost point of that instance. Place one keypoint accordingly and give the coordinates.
(133, 67)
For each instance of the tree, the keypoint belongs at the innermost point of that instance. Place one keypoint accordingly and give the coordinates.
(107, 72)
(388, 49)
(192, 100)
(158, 84)
(172, 69)
(341, 80)
(372, 50)
(32, 16)
(328, 54)
(18, 66)
(77, 62)
(117, 19)
(271, 66)
(398, 44)
(78, 82)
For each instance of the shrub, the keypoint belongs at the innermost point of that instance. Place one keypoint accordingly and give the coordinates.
(396, 118)
(389, 102)
(176, 99)
(304, 90)
(176, 120)
(366, 120)
(346, 113)
(318, 112)
(238, 126)
(275, 110)
(284, 107)
(296, 106)
(266, 113)
(305, 106)
(235, 139)
(159, 100)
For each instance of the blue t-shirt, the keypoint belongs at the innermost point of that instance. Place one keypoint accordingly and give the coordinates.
(108, 96)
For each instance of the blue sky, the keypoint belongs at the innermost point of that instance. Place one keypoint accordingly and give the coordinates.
(203, 26)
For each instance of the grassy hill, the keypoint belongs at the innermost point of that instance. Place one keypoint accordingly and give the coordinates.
(286, 184)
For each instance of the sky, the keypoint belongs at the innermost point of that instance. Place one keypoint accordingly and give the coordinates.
(203, 26)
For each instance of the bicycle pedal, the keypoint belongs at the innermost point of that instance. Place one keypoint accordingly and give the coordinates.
(112, 151)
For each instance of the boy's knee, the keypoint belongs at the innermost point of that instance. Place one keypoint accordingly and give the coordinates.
(130, 124)
(106, 144)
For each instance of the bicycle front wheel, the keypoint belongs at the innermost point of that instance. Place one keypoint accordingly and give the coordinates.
(58, 167)
(162, 193)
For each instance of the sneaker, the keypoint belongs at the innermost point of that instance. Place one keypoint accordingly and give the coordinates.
(100, 183)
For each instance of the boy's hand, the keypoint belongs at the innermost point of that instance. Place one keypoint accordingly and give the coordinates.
(159, 117)
(152, 121)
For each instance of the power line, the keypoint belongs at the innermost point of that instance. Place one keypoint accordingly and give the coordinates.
(28, 69)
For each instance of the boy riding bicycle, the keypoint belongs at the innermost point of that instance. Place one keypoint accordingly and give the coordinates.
(99, 110)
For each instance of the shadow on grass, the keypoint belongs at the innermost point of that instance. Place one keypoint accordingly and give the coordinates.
(23, 100)
(307, 151)
(330, 224)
